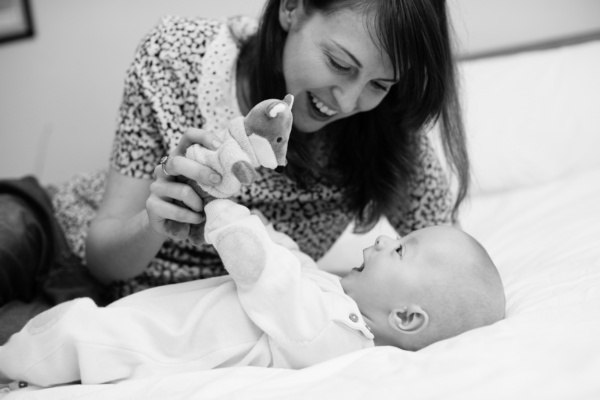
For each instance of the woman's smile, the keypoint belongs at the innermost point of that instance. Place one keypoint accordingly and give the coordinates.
(333, 67)
(320, 106)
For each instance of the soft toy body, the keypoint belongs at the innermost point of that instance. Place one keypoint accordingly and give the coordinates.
(258, 139)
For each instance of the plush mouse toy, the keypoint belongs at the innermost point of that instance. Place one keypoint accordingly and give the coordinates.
(259, 138)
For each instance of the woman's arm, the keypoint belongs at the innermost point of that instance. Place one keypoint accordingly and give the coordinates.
(129, 228)
(121, 241)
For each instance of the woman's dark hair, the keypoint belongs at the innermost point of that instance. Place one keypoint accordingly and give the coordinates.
(415, 34)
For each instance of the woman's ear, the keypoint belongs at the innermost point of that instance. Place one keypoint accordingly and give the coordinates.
(287, 12)
(410, 320)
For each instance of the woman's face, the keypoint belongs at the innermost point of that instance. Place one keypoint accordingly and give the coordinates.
(331, 66)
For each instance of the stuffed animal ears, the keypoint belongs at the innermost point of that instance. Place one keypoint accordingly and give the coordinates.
(289, 100)
(274, 109)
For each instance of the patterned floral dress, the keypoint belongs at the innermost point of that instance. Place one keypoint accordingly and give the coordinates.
(183, 75)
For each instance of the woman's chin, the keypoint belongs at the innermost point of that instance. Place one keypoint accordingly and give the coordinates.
(308, 125)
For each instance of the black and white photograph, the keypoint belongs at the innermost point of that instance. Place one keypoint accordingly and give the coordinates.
(300, 199)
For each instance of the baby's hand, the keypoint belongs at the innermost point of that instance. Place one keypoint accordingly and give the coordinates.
(260, 215)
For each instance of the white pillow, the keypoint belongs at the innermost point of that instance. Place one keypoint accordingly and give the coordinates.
(545, 243)
(532, 117)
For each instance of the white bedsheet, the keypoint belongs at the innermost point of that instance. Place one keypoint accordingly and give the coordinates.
(546, 243)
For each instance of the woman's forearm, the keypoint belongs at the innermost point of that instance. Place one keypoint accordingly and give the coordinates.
(121, 241)
(118, 249)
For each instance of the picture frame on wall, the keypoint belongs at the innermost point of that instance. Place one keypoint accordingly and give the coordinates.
(15, 20)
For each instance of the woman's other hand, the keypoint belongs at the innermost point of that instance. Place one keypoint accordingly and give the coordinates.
(171, 197)
(129, 228)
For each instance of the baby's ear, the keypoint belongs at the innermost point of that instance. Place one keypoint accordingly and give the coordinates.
(410, 320)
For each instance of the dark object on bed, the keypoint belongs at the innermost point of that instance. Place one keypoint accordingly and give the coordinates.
(37, 269)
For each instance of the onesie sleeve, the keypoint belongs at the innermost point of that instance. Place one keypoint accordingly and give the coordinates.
(280, 238)
(430, 201)
(269, 279)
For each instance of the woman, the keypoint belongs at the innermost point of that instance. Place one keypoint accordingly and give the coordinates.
(368, 76)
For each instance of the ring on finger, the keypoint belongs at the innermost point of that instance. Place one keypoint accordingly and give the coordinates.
(163, 164)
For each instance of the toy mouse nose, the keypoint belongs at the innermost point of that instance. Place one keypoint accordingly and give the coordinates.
(280, 168)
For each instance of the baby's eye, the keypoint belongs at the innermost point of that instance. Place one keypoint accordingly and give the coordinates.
(400, 250)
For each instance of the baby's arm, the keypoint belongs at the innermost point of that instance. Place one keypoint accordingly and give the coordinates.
(268, 275)
(296, 307)
(284, 240)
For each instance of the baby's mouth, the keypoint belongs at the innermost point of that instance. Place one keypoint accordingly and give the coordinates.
(359, 269)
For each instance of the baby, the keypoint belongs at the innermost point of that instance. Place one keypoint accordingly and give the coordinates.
(274, 309)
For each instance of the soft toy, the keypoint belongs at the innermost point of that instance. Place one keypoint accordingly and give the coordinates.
(259, 138)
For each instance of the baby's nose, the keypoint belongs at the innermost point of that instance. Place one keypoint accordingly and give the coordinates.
(382, 242)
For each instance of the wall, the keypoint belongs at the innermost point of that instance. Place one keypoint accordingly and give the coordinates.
(485, 26)
(59, 92)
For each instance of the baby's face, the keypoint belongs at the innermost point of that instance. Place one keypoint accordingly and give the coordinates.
(399, 271)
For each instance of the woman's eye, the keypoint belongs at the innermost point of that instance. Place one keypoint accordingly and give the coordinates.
(379, 86)
(338, 66)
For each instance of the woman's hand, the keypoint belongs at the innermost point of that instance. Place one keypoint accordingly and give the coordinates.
(171, 197)
(129, 228)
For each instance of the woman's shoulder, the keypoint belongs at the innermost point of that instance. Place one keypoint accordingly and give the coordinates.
(242, 27)
(198, 30)
(177, 39)
(171, 27)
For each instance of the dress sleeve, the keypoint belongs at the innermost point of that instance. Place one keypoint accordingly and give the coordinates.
(159, 97)
(430, 196)
(288, 306)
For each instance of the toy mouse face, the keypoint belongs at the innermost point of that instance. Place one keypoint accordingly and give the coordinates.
(268, 126)
(260, 138)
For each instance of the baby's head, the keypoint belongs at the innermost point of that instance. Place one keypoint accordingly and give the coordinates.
(430, 285)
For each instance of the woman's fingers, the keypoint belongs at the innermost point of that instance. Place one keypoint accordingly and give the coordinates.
(173, 190)
(171, 197)
(173, 200)
(183, 166)
(200, 136)
(163, 211)
(178, 164)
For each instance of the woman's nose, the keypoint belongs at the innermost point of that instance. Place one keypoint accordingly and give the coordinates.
(347, 97)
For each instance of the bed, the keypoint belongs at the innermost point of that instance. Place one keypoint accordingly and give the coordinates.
(533, 121)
